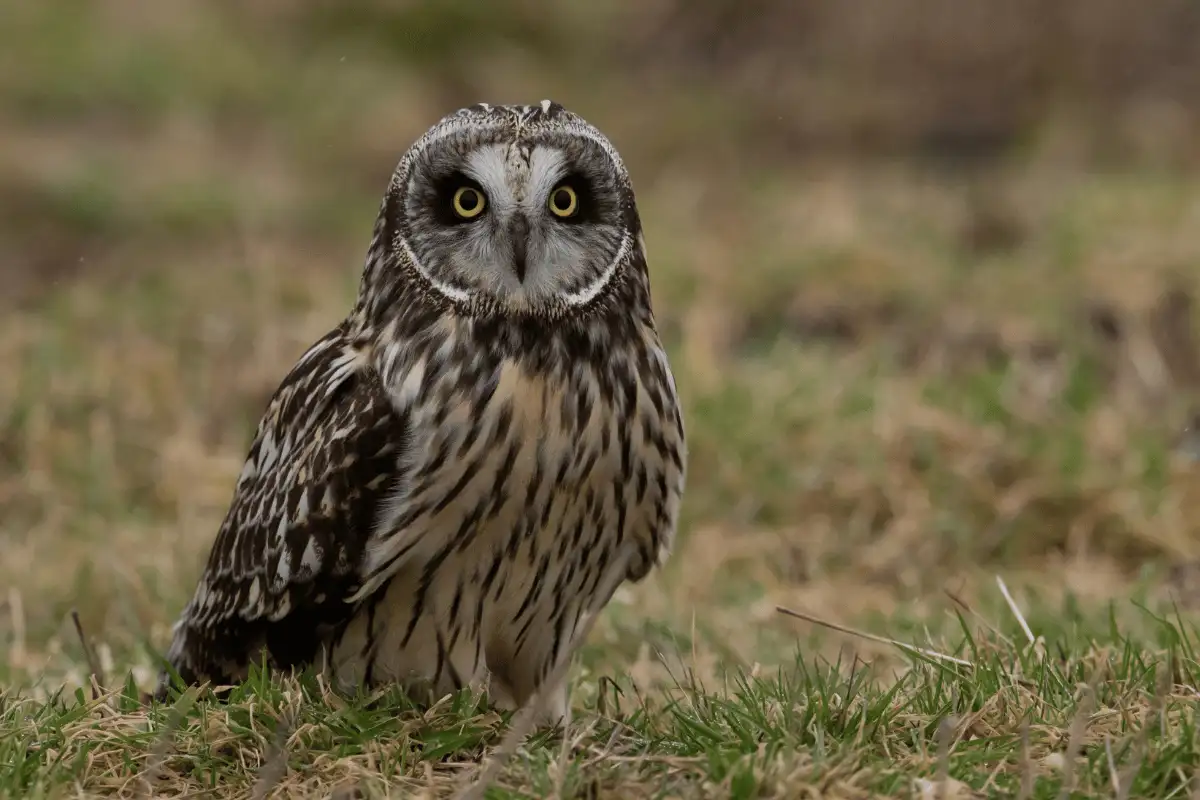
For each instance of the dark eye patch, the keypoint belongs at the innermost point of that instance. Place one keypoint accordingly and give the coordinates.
(442, 197)
(587, 209)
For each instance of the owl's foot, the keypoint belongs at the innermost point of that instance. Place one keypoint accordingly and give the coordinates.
(555, 711)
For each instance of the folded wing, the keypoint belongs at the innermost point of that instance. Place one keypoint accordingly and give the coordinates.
(288, 553)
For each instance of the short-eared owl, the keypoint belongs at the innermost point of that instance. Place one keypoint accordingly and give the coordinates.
(440, 486)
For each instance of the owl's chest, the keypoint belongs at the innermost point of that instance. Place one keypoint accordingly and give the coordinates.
(517, 458)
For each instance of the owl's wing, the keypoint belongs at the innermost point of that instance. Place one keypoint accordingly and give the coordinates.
(661, 447)
(288, 552)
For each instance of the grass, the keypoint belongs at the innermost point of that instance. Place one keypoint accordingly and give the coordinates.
(900, 383)
(1081, 708)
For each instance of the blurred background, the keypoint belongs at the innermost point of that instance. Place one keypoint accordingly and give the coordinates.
(925, 269)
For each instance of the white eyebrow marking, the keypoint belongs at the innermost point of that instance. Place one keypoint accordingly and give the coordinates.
(488, 165)
(547, 165)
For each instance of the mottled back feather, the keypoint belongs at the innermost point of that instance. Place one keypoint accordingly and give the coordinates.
(287, 554)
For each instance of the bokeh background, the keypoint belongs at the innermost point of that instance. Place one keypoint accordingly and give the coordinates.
(925, 269)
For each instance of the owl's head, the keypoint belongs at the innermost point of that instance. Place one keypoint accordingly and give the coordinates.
(525, 209)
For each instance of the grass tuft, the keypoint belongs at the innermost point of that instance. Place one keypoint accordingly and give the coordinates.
(1112, 718)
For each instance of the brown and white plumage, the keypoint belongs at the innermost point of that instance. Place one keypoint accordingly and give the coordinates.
(440, 484)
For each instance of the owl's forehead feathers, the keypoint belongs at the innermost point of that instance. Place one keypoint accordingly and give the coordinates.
(523, 141)
(508, 167)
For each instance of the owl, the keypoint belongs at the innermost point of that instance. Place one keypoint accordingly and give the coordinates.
(451, 482)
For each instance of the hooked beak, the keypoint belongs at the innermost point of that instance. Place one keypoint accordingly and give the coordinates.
(518, 234)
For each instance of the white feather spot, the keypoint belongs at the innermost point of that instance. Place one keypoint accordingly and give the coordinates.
(310, 560)
(281, 610)
(406, 393)
(348, 363)
(302, 508)
(319, 347)
(283, 571)
(253, 599)
(268, 452)
(249, 470)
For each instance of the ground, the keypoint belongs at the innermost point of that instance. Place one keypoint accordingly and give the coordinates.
(932, 410)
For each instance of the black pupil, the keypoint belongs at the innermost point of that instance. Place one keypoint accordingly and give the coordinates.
(562, 199)
(468, 200)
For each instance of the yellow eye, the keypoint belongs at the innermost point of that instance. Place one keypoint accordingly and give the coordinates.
(564, 202)
(468, 202)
